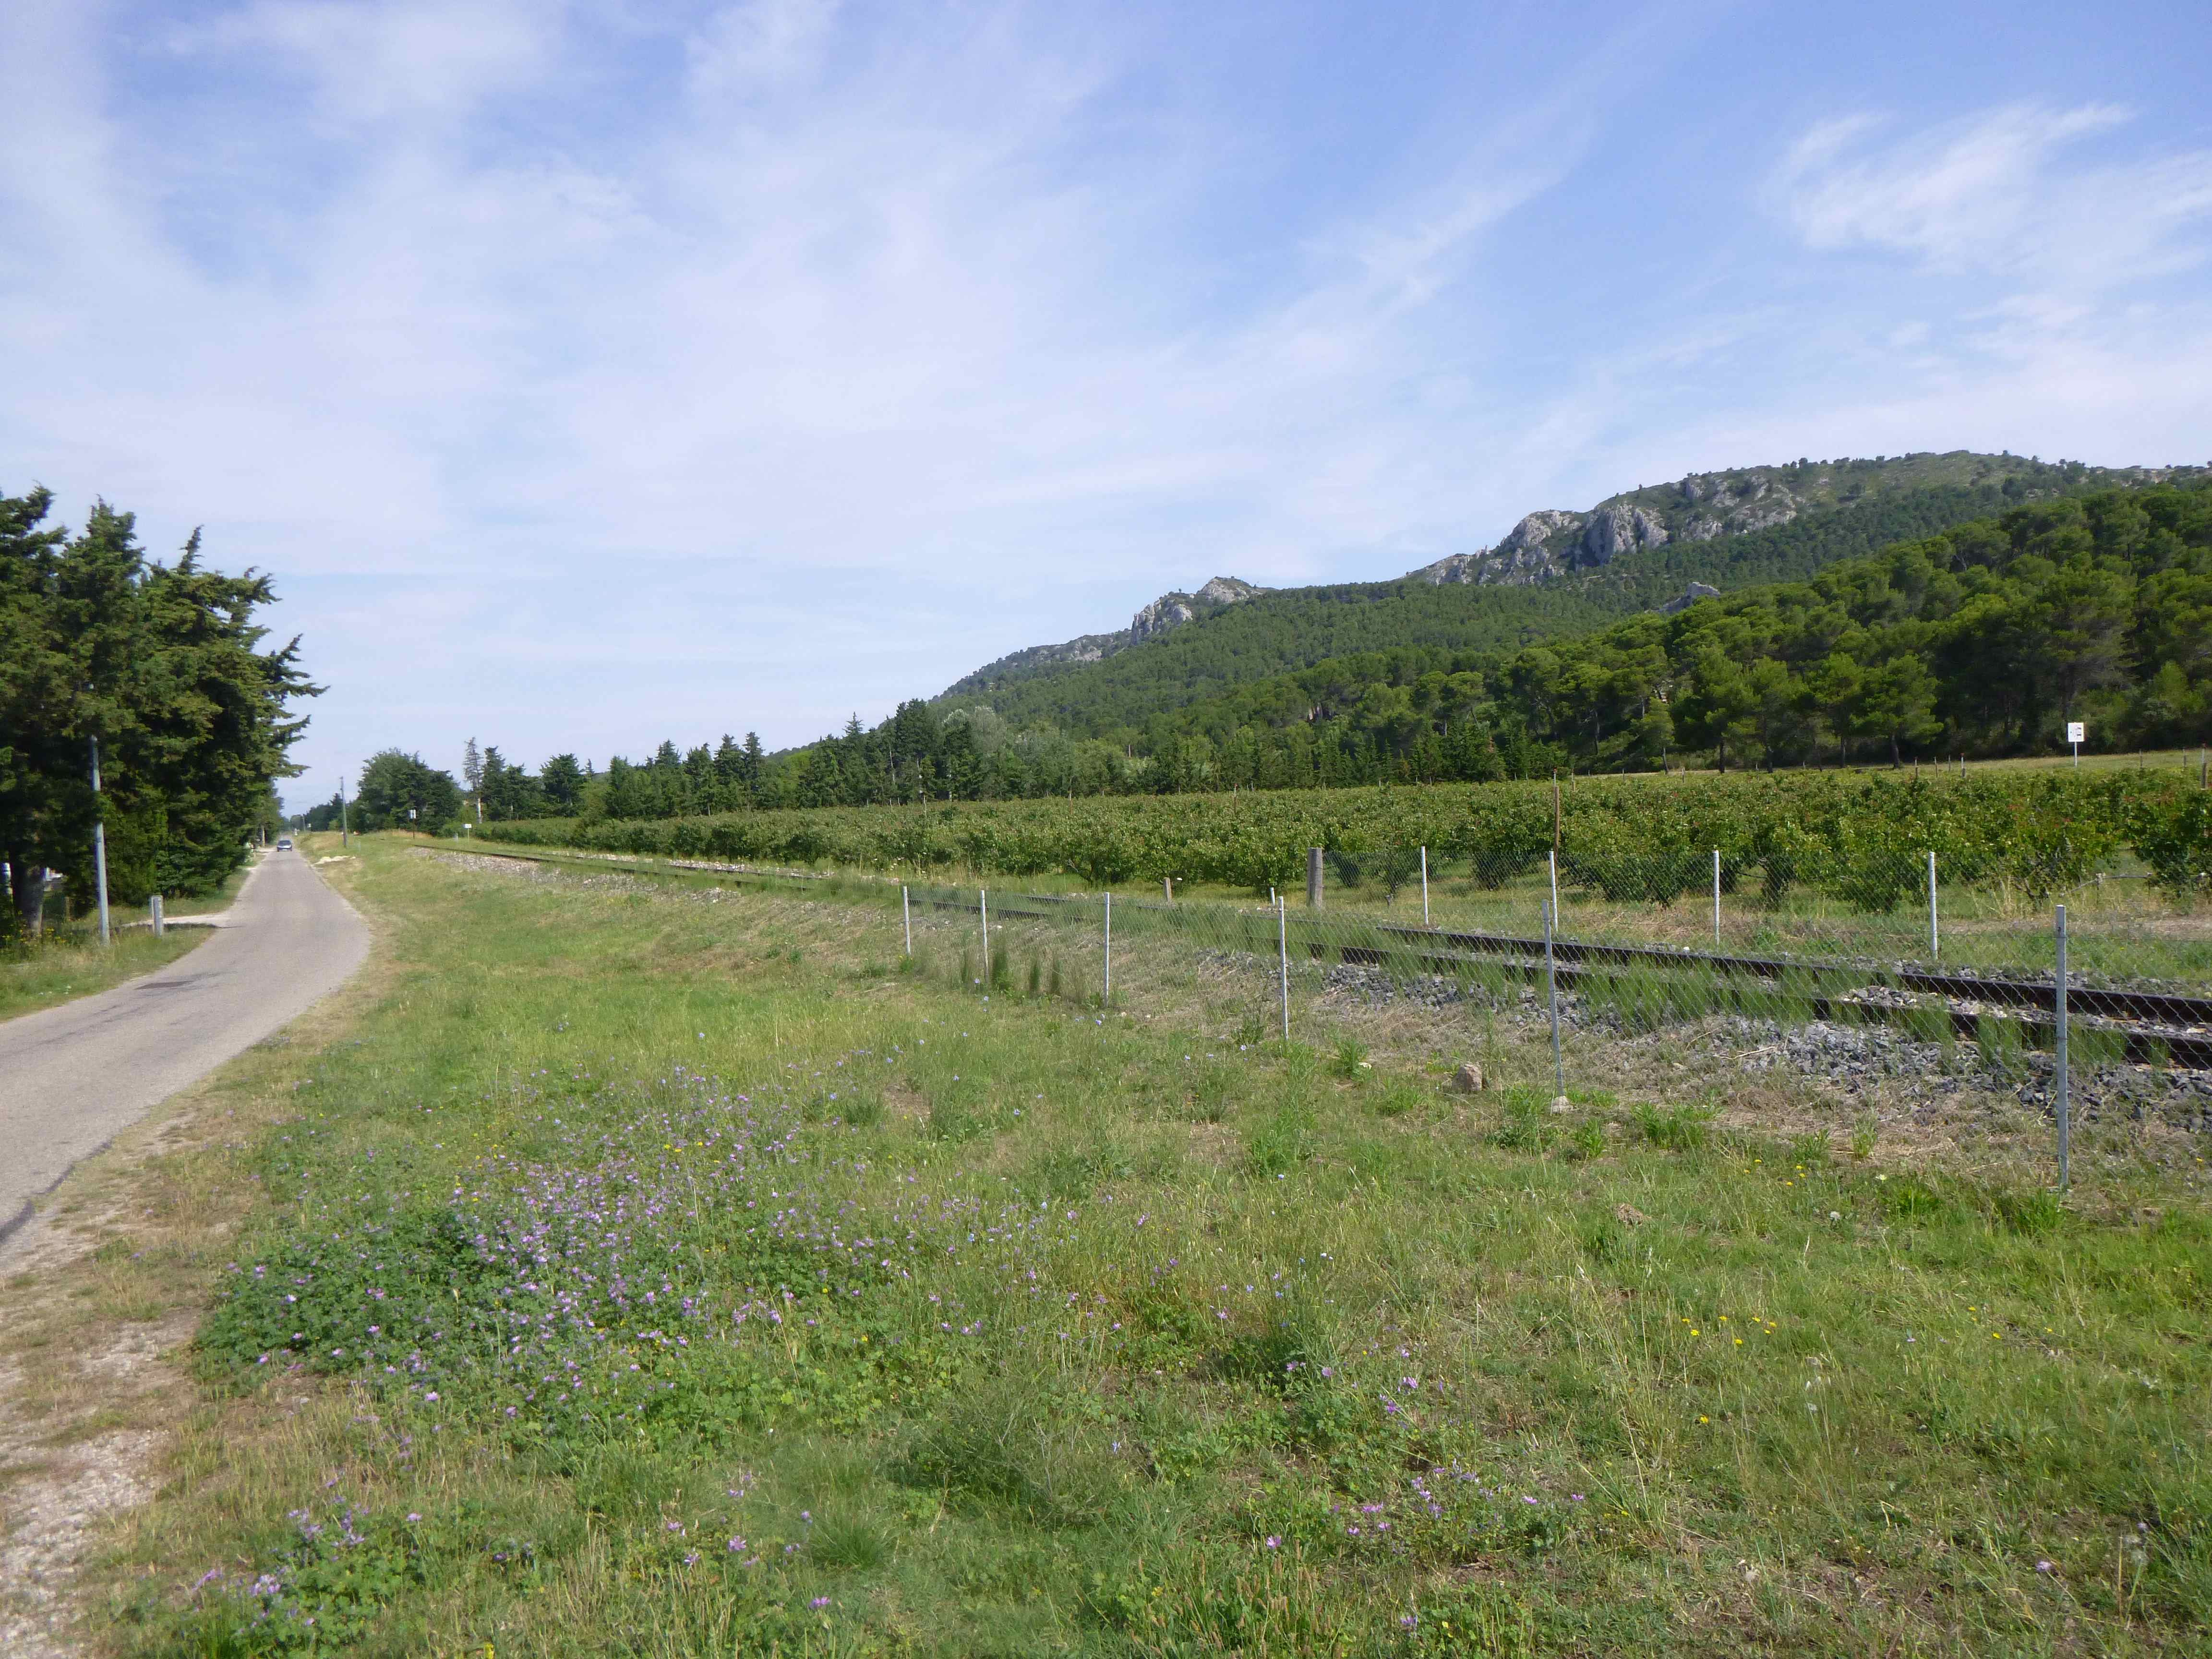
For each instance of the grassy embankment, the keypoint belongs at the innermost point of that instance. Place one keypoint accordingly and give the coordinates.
(1068, 1331)
(71, 962)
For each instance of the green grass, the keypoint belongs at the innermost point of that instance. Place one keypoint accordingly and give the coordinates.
(1072, 1331)
(69, 961)
(71, 964)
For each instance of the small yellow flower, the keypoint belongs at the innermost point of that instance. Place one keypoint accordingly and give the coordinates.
(1705, 1419)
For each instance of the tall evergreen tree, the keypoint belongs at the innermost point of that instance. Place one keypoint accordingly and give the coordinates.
(563, 780)
(164, 666)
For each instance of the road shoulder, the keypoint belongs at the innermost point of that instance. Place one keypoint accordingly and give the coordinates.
(99, 1295)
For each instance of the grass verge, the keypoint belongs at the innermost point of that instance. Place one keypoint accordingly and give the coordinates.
(69, 966)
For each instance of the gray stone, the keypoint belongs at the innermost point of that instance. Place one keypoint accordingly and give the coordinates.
(1691, 595)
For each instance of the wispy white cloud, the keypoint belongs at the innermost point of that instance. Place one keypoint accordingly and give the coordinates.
(2006, 192)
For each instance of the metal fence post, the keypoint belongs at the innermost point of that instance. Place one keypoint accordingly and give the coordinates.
(2061, 1100)
(1552, 996)
(983, 905)
(1935, 933)
(1716, 898)
(906, 917)
(1424, 887)
(1553, 856)
(1106, 982)
(1283, 947)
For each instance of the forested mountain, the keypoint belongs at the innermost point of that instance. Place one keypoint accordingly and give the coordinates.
(1983, 640)
(1556, 574)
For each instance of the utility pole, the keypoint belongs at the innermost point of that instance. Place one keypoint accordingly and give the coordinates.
(99, 842)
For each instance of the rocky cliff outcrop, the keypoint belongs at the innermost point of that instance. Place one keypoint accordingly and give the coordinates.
(1546, 546)
(1521, 557)
(1690, 596)
(1171, 609)
(1613, 530)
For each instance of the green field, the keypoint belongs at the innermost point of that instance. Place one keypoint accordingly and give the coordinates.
(655, 1269)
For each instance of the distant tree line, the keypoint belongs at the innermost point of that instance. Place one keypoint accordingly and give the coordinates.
(164, 666)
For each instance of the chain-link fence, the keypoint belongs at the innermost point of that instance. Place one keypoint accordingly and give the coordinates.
(1571, 974)
(1577, 969)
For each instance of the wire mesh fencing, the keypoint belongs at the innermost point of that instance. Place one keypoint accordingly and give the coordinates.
(1570, 969)
(2079, 990)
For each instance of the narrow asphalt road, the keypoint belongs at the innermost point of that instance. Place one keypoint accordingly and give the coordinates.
(72, 1077)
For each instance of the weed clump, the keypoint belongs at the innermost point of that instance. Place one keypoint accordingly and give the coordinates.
(1674, 1128)
(1007, 1438)
(1526, 1126)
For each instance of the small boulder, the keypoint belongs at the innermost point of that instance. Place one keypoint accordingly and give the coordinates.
(1560, 1104)
(1467, 1081)
(1629, 1216)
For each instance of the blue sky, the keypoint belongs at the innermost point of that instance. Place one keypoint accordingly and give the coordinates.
(592, 372)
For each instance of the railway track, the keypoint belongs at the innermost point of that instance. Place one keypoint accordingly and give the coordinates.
(2153, 1027)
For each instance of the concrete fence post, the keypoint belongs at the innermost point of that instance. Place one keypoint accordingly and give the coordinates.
(98, 843)
(160, 922)
(1313, 878)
